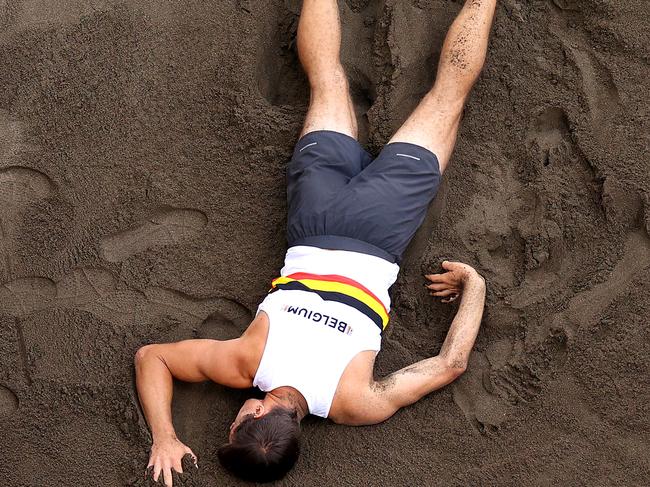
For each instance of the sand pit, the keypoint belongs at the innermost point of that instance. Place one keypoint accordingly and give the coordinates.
(142, 155)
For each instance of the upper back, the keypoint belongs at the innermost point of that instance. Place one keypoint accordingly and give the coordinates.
(325, 320)
(309, 345)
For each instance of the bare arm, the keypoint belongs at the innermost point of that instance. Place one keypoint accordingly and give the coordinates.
(385, 397)
(192, 361)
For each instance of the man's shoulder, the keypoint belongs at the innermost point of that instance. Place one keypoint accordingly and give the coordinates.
(354, 385)
(252, 344)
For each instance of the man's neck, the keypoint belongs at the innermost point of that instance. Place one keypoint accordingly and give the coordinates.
(289, 398)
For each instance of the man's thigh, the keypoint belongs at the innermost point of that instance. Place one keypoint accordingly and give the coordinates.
(323, 163)
(386, 203)
(434, 125)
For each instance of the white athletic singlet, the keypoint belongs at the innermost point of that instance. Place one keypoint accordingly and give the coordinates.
(311, 338)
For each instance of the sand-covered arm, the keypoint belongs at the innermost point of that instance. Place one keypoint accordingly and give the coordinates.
(385, 397)
(192, 361)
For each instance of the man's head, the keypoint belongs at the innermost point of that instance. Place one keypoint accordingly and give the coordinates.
(264, 442)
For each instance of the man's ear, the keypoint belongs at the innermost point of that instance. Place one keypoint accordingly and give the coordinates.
(259, 411)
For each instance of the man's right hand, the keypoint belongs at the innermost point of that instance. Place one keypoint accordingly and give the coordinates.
(167, 454)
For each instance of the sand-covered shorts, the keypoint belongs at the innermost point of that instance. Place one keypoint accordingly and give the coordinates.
(340, 198)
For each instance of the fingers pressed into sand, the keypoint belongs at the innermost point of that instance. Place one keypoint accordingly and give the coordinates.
(438, 277)
(167, 476)
(438, 287)
(445, 293)
(157, 467)
(194, 459)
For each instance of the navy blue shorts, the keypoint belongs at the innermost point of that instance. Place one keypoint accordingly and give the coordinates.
(340, 198)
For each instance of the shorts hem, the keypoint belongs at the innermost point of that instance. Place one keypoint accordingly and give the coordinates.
(412, 151)
(331, 132)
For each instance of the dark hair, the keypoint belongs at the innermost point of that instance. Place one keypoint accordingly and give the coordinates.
(263, 449)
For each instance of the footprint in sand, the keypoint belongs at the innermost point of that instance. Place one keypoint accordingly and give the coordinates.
(8, 401)
(598, 83)
(97, 291)
(32, 301)
(474, 395)
(226, 324)
(280, 79)
(19, 188)
(585, 307)
(521, 376)
(166, 227)
(550, 136)
(23, 296)
(215, 317)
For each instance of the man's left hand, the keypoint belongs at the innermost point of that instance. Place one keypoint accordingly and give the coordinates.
(450, 284)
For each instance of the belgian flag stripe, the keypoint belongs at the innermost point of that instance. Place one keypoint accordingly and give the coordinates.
(340, 289)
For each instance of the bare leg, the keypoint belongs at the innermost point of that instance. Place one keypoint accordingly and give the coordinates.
(319, 43)
(434, 123)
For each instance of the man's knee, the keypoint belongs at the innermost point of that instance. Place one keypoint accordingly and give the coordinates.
(330, 106)
(332, 80)
(448, 100)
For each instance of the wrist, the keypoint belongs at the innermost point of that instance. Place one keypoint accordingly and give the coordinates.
(475, 280)
(162, 435)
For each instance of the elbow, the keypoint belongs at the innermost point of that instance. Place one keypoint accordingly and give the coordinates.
(143, 353)
(456, 367)
(456, 372)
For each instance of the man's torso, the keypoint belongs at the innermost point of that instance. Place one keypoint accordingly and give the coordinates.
(357, 375)
(313, 341)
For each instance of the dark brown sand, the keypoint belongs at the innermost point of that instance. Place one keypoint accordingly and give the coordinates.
(142, 155)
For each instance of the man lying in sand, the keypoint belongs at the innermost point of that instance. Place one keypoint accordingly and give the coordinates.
(313, 343)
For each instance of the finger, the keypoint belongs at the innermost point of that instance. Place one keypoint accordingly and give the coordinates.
(458, 268)
(445, 293)
(437, 277)
(194, 459)
(438, 287)
(450, 299)
(156, 471)
(167, 476)
(452, 266)
(177, 465)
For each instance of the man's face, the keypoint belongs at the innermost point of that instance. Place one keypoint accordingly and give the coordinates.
(252, 407)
